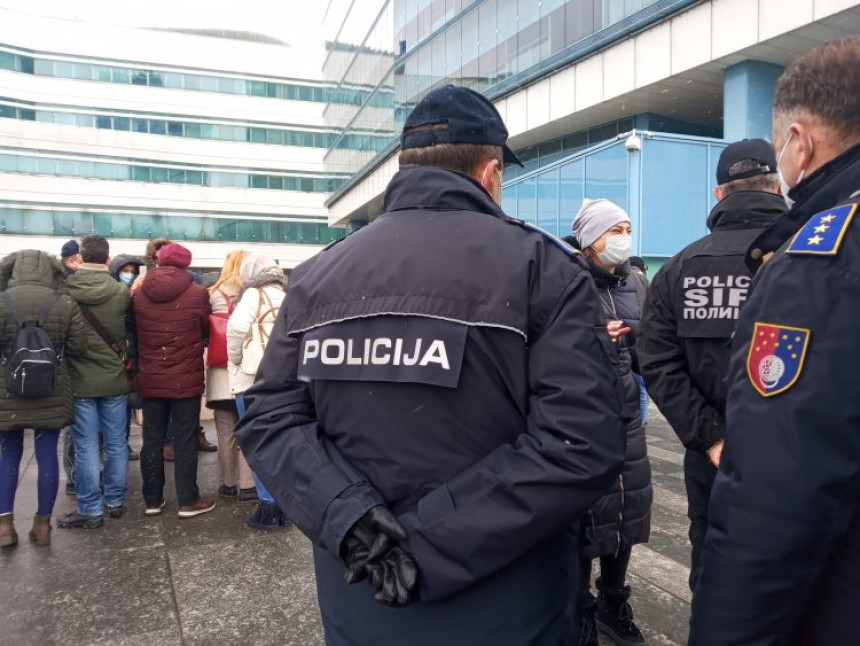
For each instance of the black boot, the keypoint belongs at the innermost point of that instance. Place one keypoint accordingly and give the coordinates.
(587, 626)
(615, 617)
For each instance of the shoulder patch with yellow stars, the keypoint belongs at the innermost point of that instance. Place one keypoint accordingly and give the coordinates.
(822, 234)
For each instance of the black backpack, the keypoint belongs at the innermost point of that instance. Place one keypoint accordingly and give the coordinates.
(32, 367)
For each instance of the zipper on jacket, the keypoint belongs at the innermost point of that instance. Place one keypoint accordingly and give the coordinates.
(620, 514)
(612, 303)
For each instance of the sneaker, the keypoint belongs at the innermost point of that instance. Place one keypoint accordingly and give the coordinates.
(132, 454)
(70, 489)
(227, 492)
(117, 511)
(202, 506)
(615, 617)
(247, 496)
(266, 517)
(74, 520)
(154, 510)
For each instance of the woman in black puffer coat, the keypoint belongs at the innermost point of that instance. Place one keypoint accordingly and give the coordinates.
(622, 517)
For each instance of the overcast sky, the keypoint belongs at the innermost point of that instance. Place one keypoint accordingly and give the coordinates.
(294, 21)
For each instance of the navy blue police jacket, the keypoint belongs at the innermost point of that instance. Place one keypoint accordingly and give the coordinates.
(782, 554)
(690, 314)
(451, 363)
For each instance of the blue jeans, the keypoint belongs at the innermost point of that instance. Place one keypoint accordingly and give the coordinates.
(262, 493)
(643, 398)
(108, 415)
(68, 455)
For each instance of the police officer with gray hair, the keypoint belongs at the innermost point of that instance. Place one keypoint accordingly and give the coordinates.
(689, 316)
(781, 562)
(437, 406)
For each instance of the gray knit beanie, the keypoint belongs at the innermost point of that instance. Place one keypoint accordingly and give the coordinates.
(595, 218)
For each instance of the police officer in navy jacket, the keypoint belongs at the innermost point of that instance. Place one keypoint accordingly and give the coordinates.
(782, 553)
(437, 405)
(690, 315)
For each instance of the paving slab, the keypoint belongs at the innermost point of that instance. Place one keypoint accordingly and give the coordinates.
(165, 581)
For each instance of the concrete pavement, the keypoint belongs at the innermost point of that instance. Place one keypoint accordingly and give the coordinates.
(210, 581)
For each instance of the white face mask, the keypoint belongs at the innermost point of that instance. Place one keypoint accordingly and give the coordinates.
(783, 183)
(127, 277)
(618, 249)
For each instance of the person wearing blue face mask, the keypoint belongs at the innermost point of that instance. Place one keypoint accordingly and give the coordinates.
(622, 517)
(125, 269)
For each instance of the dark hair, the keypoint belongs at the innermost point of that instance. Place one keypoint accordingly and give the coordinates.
(464, 158)
(824, 83)
(152, 248)
(765, 183)
(95, 249)
(639, 262)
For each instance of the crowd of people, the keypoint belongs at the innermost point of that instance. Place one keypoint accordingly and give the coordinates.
(127, 340)
(452, 405)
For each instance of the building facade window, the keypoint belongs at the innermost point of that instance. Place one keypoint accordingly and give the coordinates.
(42, 66)
(143, 172)
(198, 130)
(120, 224)
(485, 45)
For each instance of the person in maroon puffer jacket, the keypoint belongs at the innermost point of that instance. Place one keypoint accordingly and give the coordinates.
(172, 318)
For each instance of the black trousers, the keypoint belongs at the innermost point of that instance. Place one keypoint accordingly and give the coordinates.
(699, 474)
(185, 414)
(613, 573)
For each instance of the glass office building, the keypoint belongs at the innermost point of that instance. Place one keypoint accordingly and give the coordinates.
(204, 138)
(574, 80)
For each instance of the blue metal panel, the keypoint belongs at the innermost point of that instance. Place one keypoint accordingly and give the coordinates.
(674, 195)
(634, 196)
(547, 201)
(748, 91)
(571, 188)
(606, 175)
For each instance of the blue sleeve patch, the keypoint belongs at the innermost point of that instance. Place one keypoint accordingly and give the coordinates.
(823, 233)
(558, 242)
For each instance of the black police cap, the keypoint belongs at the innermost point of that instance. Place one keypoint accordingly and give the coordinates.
(755, 150)
(458, 116)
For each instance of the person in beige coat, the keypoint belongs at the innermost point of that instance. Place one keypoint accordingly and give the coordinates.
(263, 285)
(236, 481)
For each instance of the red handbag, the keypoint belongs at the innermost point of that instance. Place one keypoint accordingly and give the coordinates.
(216, 355)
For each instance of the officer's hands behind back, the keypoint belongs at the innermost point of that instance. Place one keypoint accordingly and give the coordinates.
(371, 550)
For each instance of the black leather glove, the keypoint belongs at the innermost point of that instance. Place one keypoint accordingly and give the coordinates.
(371, 550)
(394, 576)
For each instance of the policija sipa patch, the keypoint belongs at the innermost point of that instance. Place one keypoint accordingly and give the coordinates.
(776, 356)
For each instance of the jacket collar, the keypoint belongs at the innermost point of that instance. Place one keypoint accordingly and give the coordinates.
(746, 210)
(833, 182)
(91, 266)
(436, 189)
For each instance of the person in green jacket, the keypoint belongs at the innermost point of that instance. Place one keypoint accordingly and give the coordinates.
(100, 384)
